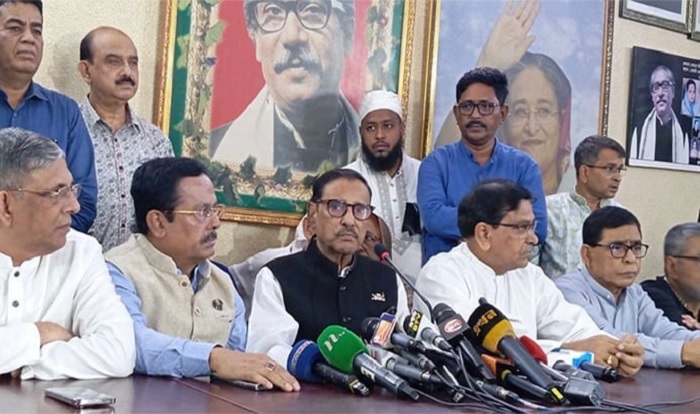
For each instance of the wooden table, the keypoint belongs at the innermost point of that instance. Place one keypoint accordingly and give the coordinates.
(140, 394)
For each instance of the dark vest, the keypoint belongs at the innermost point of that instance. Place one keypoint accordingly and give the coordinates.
(316, 296)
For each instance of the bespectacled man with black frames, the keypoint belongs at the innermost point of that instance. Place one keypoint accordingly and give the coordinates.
(605, 287)
(299, 295)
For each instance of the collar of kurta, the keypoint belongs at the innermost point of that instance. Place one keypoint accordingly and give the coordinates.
(327, 266)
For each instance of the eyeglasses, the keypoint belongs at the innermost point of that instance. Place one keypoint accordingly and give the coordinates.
(696, 259)
(665, 85)
(520, 229)
(609, 169)
(466, 108)
(60, 194)
(203, 213)
(338, 208)
(619, 250)
(542, 115)
(271, 16)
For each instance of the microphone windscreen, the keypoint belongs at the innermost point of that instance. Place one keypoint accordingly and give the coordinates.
(340, 347)
(534, 349)
(489, 326)
(381, 250)
(300, 363)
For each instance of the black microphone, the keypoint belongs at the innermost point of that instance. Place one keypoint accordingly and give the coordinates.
(417, 326)
(495, 333)
(336, 377)
(397, 339)
(453, 329)
(399, 366)
(572, 372)
(384, 255)
(601, 372)
(506, 374)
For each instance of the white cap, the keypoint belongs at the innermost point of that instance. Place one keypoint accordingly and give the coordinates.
(376, 100)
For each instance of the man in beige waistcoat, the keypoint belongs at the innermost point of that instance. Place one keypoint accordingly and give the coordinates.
(188, 317)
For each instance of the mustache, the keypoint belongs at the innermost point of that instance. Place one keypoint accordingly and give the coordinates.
(209, 237)
(476, 122)
(345, 232)
(295, 58)
(126, 79)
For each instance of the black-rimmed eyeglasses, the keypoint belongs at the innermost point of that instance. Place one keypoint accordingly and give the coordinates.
(521, 229)
(610, 169)
(695, 259)
(271, 16)
(619, 250)
(338, 208)
(466, 108)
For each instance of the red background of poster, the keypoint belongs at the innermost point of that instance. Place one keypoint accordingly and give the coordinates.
(238, 76)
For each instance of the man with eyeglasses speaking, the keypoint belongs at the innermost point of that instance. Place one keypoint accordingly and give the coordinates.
(188, 318)
(297, 296)
(660, 137)
(300, 118)
(450, 172)
(612, 255)
(497, 224)
(599, 163)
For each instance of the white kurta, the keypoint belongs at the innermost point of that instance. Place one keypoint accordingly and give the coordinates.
(70, 287)
(389, 198)
(527, 297)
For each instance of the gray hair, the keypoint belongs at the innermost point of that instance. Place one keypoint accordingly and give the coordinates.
(677, 238)
(21, 153)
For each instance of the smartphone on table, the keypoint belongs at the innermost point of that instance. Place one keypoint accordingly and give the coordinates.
(80, 397)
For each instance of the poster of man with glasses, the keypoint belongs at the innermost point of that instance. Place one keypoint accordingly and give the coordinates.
(659, 134)
(301, 118)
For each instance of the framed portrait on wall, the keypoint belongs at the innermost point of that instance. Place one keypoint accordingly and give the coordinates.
(664, 119)
(695, 21)
(558, 80)
(266, 92)
(669, 14)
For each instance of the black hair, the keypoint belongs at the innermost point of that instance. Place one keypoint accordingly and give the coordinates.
(332, 175)
(588, 150)
(488, 76)
(39, 5)
(489, 202)
(154, 186)
(610, 217)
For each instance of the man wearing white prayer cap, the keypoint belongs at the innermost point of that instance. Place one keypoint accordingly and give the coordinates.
(392, 175)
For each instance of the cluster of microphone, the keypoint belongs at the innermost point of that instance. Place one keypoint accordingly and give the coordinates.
(481, 360)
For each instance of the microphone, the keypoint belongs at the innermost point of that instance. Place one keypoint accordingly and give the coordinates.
(417, 326)
(495, 333)
(369, 331)
(399, 366)
(306, 363)
(505, 372)
(536, 351)
(601, 372)
(453, 327)
(345, 351)
(383, 253)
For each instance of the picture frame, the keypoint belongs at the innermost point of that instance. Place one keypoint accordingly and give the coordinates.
(695, 21)
(669, 14)
(663, 123)
(579, 82)
(200, 103)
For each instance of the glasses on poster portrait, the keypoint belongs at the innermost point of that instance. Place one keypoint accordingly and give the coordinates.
(271, 16)
(619, 250)
(520, 115)
(609, 169)
(466, 108)
(665, 86)
(521, 229)
(338, 208)
(60, 194)
(204, 213)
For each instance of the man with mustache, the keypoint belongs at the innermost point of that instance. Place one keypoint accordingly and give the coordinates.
(188, 318)
(299, 295)
(497, 224)
(611, 254)
(660, 137)
(391, 174)
(109, 64)
(452, 171)
(300, 118)
(600, 165)
(26, 104)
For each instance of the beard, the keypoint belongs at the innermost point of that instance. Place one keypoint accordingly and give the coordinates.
(386, 162)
